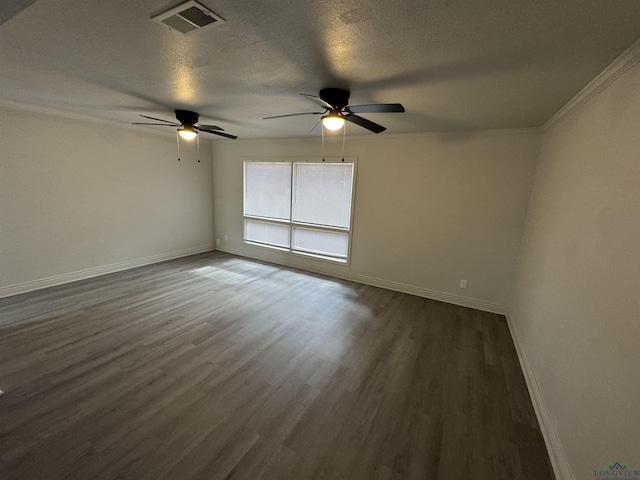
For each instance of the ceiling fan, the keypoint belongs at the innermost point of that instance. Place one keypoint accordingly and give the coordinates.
(337, 111)
(188, 126)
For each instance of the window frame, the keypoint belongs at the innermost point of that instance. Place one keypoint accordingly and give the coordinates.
(290, 223)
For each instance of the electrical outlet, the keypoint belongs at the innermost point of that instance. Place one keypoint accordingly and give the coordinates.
(463, 284)
(226, 237)
(1, 393)
(217, 241)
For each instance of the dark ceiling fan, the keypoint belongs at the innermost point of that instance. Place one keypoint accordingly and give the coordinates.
(337, 111)
(188, 126)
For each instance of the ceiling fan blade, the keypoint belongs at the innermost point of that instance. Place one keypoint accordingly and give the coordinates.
(292, 115)
(363, 122)
(160, 120)
(315, 126)
(319, 101)
(208, 127)
(215, 132)
(375, 108)
(158, 124)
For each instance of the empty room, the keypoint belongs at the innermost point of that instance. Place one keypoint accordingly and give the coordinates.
(319, 240)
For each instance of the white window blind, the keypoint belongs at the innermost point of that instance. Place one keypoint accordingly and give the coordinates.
(267, 187)
(322, 193)
(304, 207)
(276, 234)
(320, 242)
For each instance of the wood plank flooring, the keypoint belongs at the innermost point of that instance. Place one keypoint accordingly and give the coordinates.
(218, 367)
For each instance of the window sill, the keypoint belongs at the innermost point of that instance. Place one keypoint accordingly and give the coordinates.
(322, 258)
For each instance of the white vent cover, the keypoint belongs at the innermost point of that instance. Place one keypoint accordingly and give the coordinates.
(188, 17)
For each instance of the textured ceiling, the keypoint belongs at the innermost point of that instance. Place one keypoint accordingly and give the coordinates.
(454, 64)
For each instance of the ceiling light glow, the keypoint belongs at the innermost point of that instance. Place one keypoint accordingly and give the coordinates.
(333, 121)
(187, 132)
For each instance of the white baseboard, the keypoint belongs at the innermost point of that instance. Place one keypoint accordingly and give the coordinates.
(97, 271)
(559, 461)
(376, 282)
(425, 292)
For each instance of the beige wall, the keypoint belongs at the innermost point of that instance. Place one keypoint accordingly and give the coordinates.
(430, 209)
(576, 309)
(79, 199)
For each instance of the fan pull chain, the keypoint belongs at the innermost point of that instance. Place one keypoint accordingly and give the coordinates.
(178, 144)
(344, 138)
(198, 143)
(322, 128)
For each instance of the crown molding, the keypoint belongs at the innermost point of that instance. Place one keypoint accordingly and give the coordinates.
(56, 112)
(627, 59)
(466, 133)
(79, 117)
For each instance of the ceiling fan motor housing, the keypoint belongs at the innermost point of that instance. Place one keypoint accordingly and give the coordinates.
(186, 117)
(337, 97)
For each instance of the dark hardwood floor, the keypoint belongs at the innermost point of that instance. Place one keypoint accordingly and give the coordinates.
(218, 367)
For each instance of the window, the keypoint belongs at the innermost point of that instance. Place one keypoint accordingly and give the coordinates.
(301, 207)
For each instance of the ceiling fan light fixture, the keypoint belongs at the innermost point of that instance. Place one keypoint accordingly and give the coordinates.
(333, 121)
(187, 132)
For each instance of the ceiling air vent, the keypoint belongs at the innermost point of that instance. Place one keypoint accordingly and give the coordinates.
(188, 17)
